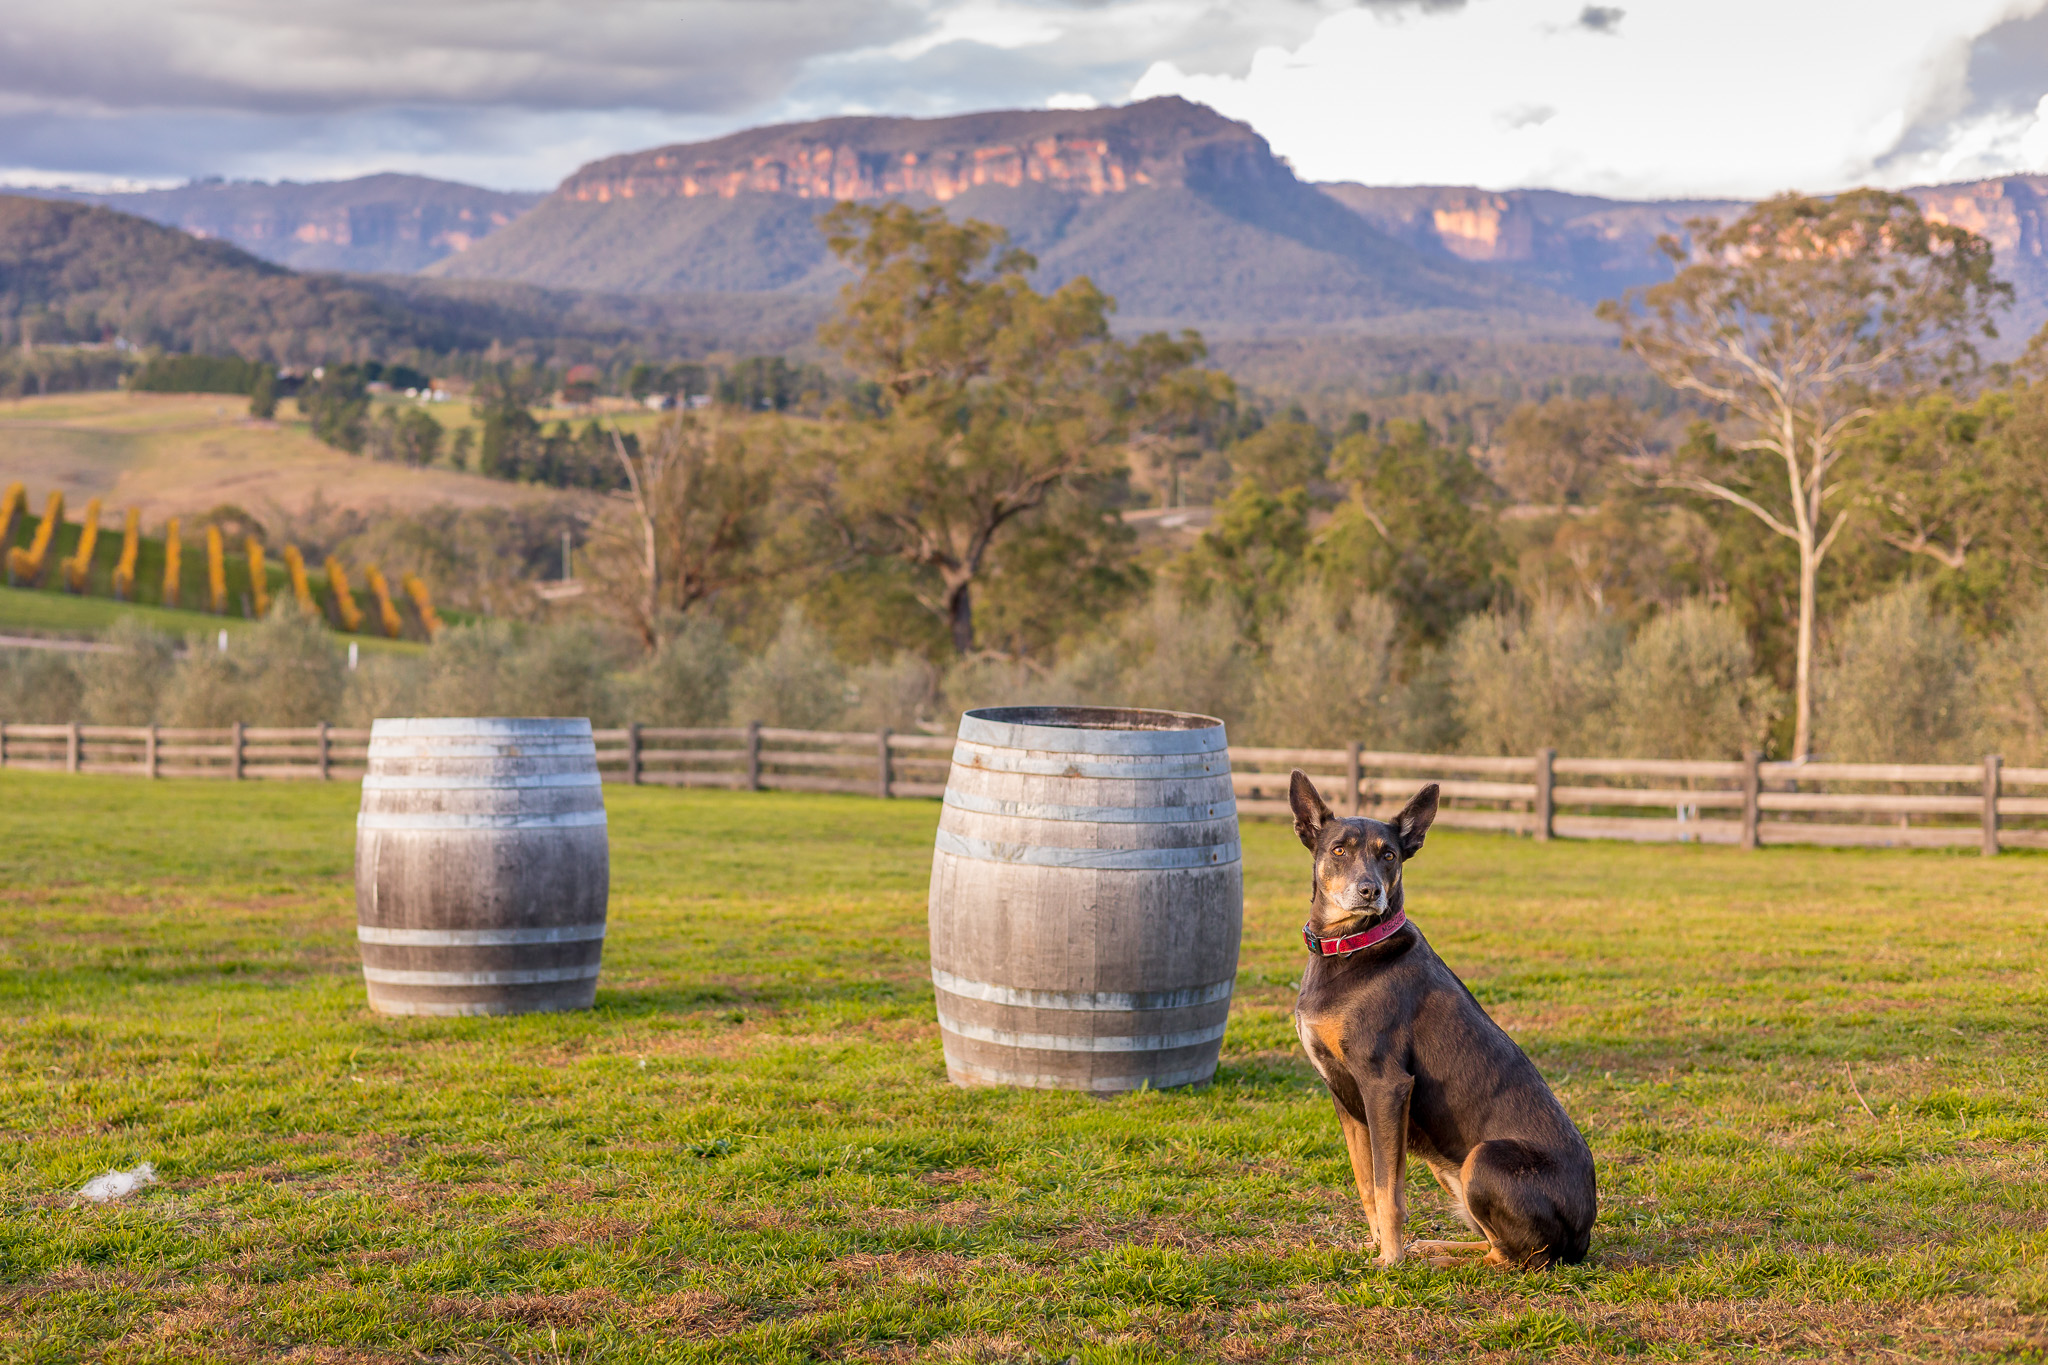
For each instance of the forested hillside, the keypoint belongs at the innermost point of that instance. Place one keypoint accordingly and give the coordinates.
(79, 273)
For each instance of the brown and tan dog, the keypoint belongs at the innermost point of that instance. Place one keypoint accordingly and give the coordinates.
(1415, 1065)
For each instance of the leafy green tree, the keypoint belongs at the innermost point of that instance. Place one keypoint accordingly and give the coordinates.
(337, 404)
(406, 434)
(1179, 410)
(995, 400)
(263, 395)
(702, 500)
(1255, 553)
(1800, 318)
(1562, 452)
(1416, 527)
(1281, 456)
(504, 401)
(1963, 485)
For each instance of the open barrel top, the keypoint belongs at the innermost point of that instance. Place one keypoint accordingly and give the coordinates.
(1093, 730)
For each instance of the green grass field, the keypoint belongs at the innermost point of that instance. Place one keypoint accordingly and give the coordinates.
(50, 611)
(748, 1151)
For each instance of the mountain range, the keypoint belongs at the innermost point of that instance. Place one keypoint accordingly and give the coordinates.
(1185, 217)
(377, 224)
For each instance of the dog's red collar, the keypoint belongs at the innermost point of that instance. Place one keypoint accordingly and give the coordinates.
(1345, 947)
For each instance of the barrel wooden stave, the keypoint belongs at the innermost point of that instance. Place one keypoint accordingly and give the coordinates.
(1053, 945)
(1099, 978)
(482, 868)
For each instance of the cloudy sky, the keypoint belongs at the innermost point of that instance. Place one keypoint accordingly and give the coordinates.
(1622, 97)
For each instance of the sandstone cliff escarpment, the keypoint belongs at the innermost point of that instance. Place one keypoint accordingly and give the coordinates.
(1088, 152)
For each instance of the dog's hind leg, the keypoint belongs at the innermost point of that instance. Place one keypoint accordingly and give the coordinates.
(1453, 1182)
(1451, 1255)
(1448, 1253)
(1520, 1195)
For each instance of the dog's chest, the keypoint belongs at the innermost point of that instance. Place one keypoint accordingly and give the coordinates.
(1325, 1038)
(1347, 1029)
(1311, 1044)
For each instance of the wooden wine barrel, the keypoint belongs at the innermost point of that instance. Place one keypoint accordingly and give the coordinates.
(482, 867)
(1087, 899)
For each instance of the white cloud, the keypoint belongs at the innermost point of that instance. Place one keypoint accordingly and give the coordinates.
(1674, 98)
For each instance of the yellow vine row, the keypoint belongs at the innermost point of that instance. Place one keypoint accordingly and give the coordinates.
(26, 567)
(295, 565)
(172, 556)
(422, 603)
(387, 614)
(79, 565)
(344, 601)
(259, 582)
(131, 546)
(216, 572)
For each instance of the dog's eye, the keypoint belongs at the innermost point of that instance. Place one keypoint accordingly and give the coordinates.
(1387, 854)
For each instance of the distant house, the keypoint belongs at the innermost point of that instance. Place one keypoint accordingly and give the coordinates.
(581, 384)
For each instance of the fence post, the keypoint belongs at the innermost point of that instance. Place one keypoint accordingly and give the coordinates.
(235, 767)
(1992, 764)
(753, 755)
(885, 771)
(633, 754)
(3, 743)
(326, 755)
(71, 748)
(1356, 778)
(1752, 791)
(149, 760)
(1546, 784)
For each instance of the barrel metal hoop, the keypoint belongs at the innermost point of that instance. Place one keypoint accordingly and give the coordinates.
(570, 999)
(481, 727)
(1080, 1000)
(479, 938)
(386, 976)
(1073, 739)
(1106, 815)
(383, 749)
(989, 1075)
(1099, 859)
(425, 782)
(979, 758)
(1065, 1042)
(400, 821)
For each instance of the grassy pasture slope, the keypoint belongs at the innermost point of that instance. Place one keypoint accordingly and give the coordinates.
(179, 454)
(748, 1151)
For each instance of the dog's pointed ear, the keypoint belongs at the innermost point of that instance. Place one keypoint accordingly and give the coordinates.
(1414, 820)
(1310, 814)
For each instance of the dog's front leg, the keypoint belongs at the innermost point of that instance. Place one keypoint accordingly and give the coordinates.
(1358, 1146)
(1385, 1100)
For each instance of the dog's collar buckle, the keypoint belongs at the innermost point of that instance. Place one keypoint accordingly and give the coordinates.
(1345, 947)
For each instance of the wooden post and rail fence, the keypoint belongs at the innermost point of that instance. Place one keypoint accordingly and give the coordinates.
(1745, 802)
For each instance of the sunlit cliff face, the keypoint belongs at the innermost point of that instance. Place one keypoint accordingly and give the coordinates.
(2012, 215)
(817, 170)
(1487, 227)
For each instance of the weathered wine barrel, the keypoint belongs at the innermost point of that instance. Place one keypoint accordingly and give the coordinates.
(482, 867)
(1087, 899)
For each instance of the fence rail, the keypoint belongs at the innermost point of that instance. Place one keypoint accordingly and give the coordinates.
(1746, 802)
